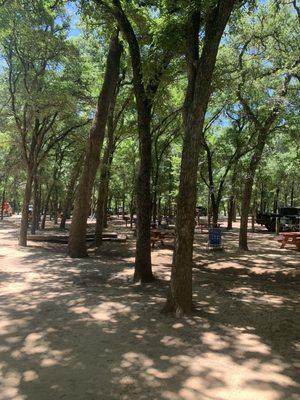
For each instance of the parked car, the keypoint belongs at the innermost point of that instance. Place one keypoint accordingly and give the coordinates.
(288, 218)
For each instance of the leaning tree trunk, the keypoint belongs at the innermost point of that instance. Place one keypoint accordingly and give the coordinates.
(77, 239)
(200, 72)
(247, 192)
(101, 208)
(25, 207)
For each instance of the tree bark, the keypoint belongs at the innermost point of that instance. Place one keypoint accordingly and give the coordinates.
(70, 192)
(103, 188)
(292, 194)
(144, 98)
(247, 191)
(35, 210)
(2, 204)
(46, 206)
(77, 239)
(200, 72)
(25, 207)
(276, 198)
(232, 200)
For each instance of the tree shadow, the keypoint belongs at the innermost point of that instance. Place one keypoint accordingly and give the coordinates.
(80, 329)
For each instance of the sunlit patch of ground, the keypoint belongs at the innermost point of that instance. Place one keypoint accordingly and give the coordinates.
(80, 330)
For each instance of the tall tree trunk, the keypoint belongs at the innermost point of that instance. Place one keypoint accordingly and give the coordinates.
(77, 239)
(247, 192)
(231, 207)
(209, 207)
(103, 187)
(2, 204)
(143, 268)
(254, 207)
(215, 213)
(105, 214)
(71, 189)
(144, 99)
(159, 215)
(232, 200)
(276, 197)
(25, 207)
(46, 206)
(200, 72)
(292, 194)
(35, 209)
(262, 196)
(154, 206)
(55, 205)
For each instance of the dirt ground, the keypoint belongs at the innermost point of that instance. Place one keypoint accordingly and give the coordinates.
(78, 329)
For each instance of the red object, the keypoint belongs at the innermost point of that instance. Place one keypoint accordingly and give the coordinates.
(7, 210)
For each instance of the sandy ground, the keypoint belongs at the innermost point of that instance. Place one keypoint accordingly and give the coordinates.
(80, 330)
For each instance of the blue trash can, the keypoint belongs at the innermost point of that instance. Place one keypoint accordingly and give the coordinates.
(215, 238)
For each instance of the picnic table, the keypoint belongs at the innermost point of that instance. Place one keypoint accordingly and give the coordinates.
(157, 236)
(289, 237)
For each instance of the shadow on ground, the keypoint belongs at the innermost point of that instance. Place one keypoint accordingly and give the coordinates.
(80, 330)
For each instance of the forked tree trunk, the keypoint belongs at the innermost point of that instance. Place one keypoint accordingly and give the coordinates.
(200, 72)
(77, 239)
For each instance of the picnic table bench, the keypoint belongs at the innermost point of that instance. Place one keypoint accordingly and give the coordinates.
(157, 236)
(289, 237)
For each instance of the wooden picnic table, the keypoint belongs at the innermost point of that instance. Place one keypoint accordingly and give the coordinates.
(290, 237)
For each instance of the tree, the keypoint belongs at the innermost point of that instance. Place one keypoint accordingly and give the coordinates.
(200, 72)
(77, 239)
(266, 106)
(144, 95)
(33, 78)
